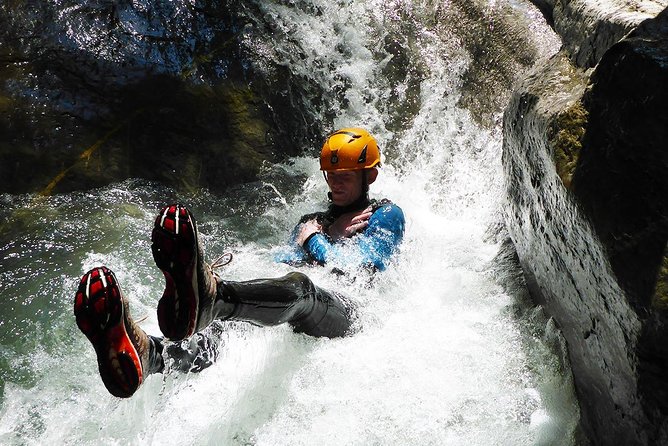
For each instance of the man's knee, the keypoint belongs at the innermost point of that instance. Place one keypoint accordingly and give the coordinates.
(301, 281)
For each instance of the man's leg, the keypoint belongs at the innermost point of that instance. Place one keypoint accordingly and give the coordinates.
(292, 299)
(193, 297)
(186, 305)
(125, 353)
(195, 353)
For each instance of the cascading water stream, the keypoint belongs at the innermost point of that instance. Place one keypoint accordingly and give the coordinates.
(440, 356)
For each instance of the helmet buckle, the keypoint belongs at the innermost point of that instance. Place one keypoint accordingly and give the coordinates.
(335, 157)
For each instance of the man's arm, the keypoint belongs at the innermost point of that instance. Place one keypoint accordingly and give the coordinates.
(375, 245)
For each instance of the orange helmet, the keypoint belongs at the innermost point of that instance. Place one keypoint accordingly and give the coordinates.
(349, 149)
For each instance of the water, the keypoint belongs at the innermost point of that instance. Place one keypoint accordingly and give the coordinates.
(448, 352)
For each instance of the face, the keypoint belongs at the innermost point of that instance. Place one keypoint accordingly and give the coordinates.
(345, 186)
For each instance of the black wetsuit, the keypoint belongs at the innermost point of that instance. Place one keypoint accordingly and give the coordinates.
(292, 299)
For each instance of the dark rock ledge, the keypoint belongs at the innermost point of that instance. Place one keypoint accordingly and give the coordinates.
(586, 167)
(103, 91)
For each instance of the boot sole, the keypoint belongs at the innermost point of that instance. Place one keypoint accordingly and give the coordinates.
(100, 315)
(175, 251)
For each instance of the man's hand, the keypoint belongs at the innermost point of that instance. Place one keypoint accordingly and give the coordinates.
(349, 224)
(306, 230)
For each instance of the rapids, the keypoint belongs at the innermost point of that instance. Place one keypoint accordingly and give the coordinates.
(448, 349)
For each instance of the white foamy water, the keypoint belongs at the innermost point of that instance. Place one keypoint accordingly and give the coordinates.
(439, 358)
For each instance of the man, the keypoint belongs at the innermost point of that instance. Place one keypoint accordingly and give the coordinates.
(194, 296)
(372, 230)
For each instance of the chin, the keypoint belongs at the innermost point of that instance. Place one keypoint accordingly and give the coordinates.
(338, 201)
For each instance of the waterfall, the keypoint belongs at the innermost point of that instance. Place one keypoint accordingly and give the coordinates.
(447, 351)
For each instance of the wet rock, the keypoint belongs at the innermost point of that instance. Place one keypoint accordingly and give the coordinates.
(588, 29)
(622, 185)
(586, 178)
(98, 92)
(621, 176)
(566, 269)
(495, 38)
(546, 7)
(160, 129)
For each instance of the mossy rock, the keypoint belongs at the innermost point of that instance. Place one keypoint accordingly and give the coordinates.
(567, 133)
(162, 129)
(660, 299)
(5, 103)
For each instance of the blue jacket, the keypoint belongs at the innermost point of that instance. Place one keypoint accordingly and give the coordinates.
(371, 248)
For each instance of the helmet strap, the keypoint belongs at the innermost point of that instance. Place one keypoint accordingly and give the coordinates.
(365, 184)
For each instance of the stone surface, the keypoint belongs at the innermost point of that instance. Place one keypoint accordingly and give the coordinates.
(566, 134)
(495, 37)
(621, 182)
(594, 254)
(163, 129)
(621, 178)
(566, 268)
(99, 92)
(589, 27)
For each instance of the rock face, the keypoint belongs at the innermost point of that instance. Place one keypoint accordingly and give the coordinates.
(588, 28)
(163, 130)
(98, 92)
(621, 182)
(620, 178)
(585, 161)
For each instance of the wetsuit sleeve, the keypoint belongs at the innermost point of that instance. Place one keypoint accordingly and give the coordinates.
(292, 254)
(320, 248)
(375, 245)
